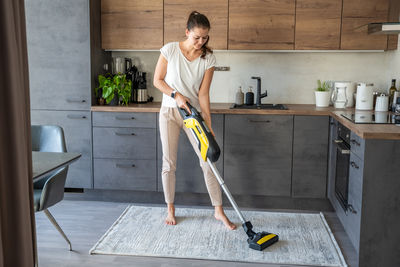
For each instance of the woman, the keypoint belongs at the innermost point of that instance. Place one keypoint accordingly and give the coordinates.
(183, 74)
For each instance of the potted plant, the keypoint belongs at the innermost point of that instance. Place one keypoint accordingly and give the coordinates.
(115, 89)
(322, 94)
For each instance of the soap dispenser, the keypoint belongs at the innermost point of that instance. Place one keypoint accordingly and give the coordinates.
(239, 98)
(250, 96)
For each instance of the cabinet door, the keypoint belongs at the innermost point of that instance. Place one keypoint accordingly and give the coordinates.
(258, 154)
(189, 175)
(356, 14)
(77, 130)
(261, 24)
(176, 13)
(310, 156)
(318, 24)
(131, 24)
(332, 159)
(58, 40)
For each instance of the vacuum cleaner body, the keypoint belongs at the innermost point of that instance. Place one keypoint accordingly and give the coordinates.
(210, 153)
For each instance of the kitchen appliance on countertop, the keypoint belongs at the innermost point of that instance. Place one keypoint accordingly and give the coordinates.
(142, 96)
(365, 97)
(339, 94)
(377, 117)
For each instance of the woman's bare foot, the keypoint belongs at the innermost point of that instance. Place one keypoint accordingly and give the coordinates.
(220, 215)
(171, 220)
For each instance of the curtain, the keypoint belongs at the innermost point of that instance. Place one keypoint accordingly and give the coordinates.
(17, 218)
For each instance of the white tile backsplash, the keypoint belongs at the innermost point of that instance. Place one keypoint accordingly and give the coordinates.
(289, 77)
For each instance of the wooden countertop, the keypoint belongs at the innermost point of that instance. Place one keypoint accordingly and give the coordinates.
(365, 131)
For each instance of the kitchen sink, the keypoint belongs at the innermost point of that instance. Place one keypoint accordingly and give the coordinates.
(263, 106)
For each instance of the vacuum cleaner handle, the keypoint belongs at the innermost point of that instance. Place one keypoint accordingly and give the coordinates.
(185, 114)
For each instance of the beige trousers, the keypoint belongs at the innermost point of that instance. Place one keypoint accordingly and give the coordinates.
(170, 125)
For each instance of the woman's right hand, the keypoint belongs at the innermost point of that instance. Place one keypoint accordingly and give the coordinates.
(181, 101)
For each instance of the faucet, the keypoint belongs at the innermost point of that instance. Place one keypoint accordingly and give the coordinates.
(259, 95)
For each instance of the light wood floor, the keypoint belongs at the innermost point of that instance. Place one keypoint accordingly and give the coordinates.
(85, 222)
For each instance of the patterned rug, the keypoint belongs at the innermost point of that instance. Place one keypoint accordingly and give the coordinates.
(304, 238)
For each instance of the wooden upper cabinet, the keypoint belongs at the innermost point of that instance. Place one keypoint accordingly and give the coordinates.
(394, 13)
(132, 24)
(318, 24)
(261, 24)
(357, 13)
(176, 13)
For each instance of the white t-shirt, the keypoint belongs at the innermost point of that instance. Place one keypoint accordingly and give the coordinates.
(183, 75)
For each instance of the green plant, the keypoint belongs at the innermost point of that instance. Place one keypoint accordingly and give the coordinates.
(114, 85)
(322, 86)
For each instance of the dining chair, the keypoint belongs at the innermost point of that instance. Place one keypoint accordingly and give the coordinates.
(49, 190)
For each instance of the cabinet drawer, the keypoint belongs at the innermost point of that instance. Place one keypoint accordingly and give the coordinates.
(257, 129)
(125, 119)
(125, 174)
(357, 145)
(129, 143)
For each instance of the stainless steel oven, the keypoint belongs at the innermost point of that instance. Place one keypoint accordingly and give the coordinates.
(342, 144)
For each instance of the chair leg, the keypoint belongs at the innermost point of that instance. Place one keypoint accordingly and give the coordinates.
(54, 222)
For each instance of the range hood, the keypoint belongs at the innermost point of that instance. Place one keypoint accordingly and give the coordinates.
(384, 28)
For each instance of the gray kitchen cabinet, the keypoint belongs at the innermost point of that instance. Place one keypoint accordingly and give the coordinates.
(310, 156)
(58, 37)
(77, 130)
(372, 217)
(58, 41)
(124, 151)
(189, 175)
(258, 154)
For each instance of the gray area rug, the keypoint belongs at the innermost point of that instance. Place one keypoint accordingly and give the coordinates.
(305, 238)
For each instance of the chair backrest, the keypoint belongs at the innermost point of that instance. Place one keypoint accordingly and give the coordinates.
(50, 138)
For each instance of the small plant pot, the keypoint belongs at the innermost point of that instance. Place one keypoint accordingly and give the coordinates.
(114, 101)
(322, 98)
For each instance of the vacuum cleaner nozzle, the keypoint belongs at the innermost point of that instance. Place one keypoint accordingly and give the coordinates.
(261, 240)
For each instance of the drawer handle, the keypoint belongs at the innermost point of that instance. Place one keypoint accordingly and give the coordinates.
(262, 121)
(124, 118)
(76, 101)
(353, 141)
(118, 165)
(124, 134)
(81, 117)
(354, 165)
(351, 209)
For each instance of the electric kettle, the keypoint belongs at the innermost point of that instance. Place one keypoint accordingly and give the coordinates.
(365, 97)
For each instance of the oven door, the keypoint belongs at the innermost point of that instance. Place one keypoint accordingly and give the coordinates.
(342, 173)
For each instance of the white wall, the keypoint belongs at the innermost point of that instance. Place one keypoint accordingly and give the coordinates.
(289, 77)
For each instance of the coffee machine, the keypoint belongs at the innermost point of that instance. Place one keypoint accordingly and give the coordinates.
(141, 88)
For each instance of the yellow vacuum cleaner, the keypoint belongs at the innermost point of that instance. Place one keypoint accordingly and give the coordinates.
(210, 152)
